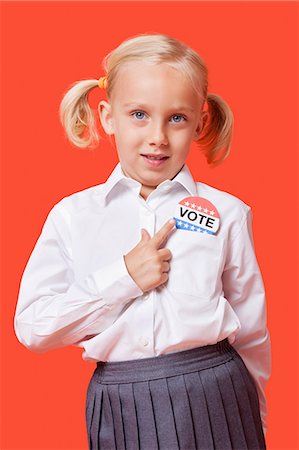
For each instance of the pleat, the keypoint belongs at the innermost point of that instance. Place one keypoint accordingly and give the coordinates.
(182, 412)
(113, 391)
(89, 410)
(248, 404)
(96, 418)
(253, 398)
(129, 416)
(244, 404)
(216, 410)
(164, 416)
(107, 433)
(231, 407)
(200, 413)
(145, 416)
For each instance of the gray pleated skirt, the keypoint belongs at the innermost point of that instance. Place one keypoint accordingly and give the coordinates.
(198, 399)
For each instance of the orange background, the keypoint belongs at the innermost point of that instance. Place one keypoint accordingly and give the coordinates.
(250, 49)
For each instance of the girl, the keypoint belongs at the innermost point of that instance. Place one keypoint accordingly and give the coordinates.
(152, 273)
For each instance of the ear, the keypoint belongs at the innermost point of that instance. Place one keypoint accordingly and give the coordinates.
(200, 126)
(105, 113)
(197, 131)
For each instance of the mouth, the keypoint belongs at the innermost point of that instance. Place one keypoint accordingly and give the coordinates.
(154, 160)
(153, 156)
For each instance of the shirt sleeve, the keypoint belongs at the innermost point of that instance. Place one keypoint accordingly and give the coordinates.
(54, 309)
(244, 289)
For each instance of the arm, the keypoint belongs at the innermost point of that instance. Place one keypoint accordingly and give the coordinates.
(244, 289)
(54, 309)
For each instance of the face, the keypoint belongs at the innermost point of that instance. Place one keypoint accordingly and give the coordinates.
(154, 113)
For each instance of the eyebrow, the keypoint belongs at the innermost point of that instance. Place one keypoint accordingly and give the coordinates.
(142, 106)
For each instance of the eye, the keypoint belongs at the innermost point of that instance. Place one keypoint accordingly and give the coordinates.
(178, 118)
(139, 115)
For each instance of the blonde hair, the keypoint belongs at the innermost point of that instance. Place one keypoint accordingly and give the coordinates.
(78, 119)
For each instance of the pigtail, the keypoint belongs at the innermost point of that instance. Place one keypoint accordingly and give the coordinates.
(77, 117)
(216, 136)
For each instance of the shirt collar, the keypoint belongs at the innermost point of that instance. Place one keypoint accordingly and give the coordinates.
(184, 178)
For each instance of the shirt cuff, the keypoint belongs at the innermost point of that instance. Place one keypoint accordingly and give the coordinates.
(114, 283)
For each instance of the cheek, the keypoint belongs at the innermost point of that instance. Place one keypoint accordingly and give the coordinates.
(134, 135)
(182, 140)
(124, 133)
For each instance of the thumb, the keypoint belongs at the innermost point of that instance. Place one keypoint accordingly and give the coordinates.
(144, 235)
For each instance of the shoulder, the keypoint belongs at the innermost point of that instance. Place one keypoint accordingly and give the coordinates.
(233, 211)
(75, 203)
(222, 200)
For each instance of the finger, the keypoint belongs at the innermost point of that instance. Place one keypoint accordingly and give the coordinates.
(165, 254)
(164, 277)
(145, 236)
(165, 266)
(163, 233)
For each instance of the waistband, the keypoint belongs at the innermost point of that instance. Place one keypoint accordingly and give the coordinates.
(165, 365)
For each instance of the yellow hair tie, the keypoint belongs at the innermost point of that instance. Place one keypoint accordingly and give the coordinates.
(103, 82)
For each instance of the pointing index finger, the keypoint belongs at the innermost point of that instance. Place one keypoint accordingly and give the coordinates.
(163, 233)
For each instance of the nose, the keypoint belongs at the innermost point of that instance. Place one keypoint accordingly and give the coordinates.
(158, 135)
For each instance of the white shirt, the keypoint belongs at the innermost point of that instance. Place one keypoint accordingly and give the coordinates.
(76, 289)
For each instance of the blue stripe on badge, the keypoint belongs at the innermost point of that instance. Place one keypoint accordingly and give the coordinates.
(183, 225)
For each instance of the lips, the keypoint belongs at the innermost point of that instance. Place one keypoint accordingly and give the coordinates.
(154, 156)
(154, 160)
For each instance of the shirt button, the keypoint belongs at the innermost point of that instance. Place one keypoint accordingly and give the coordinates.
(148, 212)
(146, 296)
(144, 341)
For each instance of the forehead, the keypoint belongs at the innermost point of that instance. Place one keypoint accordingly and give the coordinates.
(142, 82)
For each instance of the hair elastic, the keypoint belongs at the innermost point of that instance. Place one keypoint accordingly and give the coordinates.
(102, 82)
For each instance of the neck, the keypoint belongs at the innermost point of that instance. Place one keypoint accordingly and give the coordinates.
(146, 190)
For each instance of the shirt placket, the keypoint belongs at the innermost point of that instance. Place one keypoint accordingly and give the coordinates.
(146, 319)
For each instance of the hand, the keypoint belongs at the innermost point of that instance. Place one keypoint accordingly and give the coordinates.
(146, 263)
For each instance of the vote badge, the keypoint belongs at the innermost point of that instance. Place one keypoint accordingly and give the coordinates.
(197, 214)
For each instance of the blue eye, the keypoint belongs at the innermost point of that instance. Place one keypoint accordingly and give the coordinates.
(177, 118)
(139, 115)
